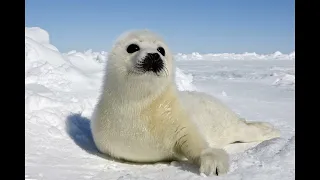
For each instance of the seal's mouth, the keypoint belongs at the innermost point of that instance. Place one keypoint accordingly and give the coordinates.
(152, 62)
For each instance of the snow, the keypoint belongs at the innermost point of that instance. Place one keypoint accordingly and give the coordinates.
(61, 90)
(232, 56)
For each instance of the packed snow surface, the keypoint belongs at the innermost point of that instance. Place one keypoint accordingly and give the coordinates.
(232, 56)
(61, 90)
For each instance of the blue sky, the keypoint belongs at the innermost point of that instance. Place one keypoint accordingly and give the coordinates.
(205, 26)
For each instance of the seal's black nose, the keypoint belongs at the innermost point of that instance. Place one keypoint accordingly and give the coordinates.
(153, 56)
(152, 62)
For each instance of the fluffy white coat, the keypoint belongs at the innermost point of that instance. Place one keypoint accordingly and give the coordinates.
(142, 117)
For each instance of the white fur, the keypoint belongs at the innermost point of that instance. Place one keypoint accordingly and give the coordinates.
(220, 125)
(142, 117)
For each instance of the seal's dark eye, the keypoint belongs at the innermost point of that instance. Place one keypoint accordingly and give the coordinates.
(162, 51)
(133, 48)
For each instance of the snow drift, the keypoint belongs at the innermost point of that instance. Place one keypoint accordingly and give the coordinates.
(61, 90)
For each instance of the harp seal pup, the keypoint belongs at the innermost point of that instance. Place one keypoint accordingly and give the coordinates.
(142, 117)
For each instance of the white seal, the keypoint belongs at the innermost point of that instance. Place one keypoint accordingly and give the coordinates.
(142, 117)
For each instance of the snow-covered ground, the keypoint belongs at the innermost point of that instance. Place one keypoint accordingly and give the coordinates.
(61, 90)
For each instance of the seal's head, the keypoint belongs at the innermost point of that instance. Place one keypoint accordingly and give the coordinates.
(141, 53)
(140, 58)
